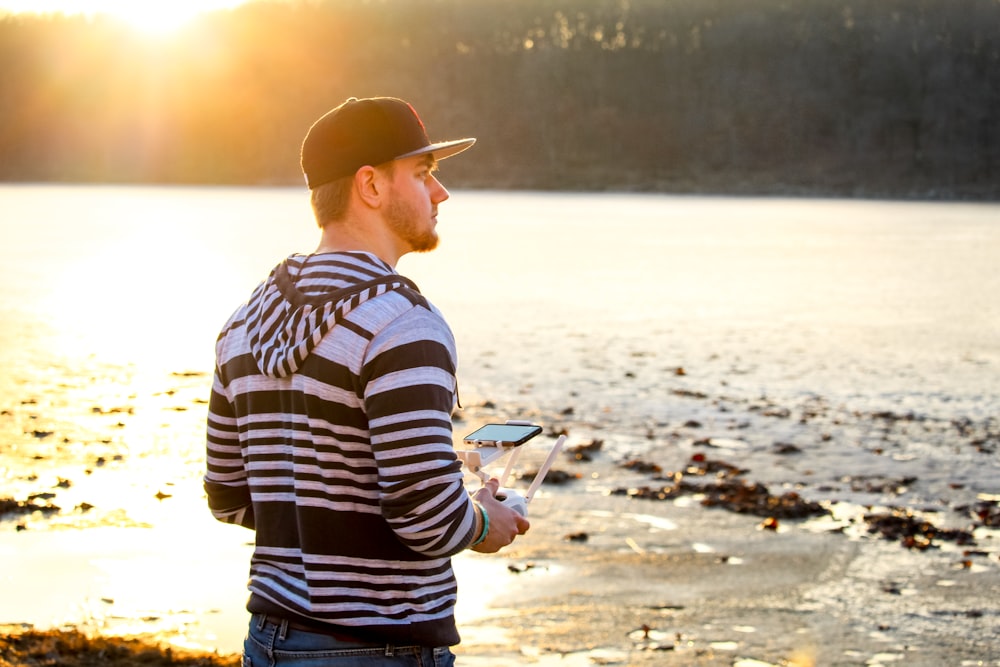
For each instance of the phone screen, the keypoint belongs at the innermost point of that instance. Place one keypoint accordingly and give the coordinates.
(508, 434)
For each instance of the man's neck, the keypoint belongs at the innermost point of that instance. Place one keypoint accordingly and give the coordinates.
(342, 240)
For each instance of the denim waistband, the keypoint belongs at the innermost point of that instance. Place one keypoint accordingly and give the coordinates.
(285, 624)
(302, 627)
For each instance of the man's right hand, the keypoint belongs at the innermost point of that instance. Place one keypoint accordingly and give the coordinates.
(505, 523)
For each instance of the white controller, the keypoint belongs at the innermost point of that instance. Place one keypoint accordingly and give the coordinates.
(477, 458)
(514, 500)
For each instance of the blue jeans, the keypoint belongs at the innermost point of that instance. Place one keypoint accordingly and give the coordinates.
(271, 644)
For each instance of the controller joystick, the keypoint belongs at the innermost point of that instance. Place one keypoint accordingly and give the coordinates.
(487, 451)
(514, 500)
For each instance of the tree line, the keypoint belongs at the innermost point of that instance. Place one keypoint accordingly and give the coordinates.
(886, 98)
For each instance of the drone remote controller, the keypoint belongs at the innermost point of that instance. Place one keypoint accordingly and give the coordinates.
(514, 500)
(493, 441)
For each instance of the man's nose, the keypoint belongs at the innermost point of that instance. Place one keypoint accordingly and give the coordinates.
(439, 193)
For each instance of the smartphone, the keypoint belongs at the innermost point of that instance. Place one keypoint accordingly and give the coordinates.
(503, 435)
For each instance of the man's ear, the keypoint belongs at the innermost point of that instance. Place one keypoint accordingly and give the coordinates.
(368, 183)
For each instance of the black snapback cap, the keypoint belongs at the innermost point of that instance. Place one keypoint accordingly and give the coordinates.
(369, 131)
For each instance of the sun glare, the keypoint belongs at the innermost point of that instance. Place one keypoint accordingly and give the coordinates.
(149, 17)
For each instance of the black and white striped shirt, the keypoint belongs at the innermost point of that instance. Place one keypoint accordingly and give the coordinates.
(329, 433)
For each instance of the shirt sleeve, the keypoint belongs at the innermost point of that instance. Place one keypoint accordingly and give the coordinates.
(225, 479)
(409, 393)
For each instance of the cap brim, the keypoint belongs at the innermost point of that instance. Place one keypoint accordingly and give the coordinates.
(441, 150)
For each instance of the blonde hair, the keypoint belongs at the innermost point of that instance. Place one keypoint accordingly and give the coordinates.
(330, 200)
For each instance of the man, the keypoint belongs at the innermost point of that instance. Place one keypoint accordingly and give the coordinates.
(329, 427)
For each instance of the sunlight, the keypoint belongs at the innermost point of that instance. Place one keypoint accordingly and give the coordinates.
(151, 18)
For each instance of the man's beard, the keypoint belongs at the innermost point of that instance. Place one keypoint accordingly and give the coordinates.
(403, 220)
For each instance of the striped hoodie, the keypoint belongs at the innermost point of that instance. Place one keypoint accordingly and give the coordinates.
(329, 434)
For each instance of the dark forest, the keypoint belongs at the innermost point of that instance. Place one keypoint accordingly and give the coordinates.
(846, 98)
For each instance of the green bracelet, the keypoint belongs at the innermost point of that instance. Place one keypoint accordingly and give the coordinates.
(486, 525)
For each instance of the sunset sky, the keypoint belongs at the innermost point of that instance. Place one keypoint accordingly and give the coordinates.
(153, 16)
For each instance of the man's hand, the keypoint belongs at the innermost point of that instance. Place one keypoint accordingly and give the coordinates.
(505, 523)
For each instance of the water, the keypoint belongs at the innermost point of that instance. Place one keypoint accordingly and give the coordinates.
(622, 316)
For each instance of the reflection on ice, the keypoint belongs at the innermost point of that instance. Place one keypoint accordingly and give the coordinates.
(184, 584)
(655, 522)
(853, 331)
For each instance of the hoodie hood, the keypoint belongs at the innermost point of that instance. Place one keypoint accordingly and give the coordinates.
(290, 312)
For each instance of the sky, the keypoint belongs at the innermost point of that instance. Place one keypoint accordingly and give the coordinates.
(155, 16)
